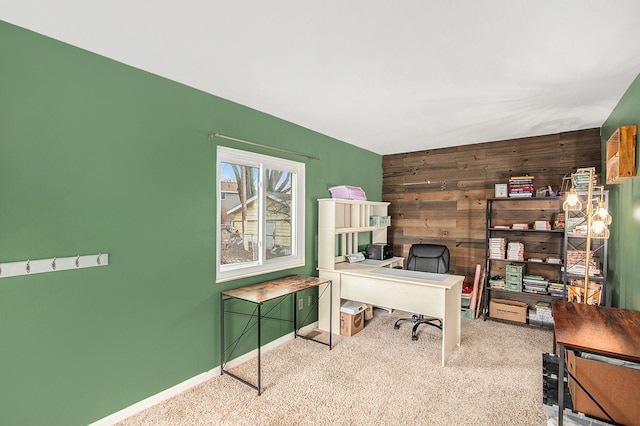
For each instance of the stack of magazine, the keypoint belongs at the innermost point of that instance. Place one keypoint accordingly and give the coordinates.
(581, 179)
(556, 289)
(575, 263)
(497, 282)
(535, 284)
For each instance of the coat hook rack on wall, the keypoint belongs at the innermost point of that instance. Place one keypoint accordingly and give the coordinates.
(55, 264)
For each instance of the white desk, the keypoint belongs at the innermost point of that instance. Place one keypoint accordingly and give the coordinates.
(417, 293)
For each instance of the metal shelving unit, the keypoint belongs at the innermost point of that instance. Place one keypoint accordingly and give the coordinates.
(574, 241)
(537, 244)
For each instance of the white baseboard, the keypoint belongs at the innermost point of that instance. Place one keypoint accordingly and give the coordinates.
(194, 381)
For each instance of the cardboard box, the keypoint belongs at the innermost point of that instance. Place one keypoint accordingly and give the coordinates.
(615, 387)
(510, 310)
(351, 324)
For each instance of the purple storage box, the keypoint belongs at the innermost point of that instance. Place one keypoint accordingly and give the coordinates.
(347, 192)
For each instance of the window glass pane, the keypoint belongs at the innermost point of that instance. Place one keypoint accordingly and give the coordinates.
(260, 207)
(239, 225)
(278, 234)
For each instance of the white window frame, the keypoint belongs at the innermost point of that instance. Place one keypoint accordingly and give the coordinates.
(263, 266)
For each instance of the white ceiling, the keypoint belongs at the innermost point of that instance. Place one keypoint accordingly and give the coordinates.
(388, 76)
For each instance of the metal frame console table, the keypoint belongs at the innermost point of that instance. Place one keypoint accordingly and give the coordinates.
(263, 292)
(595, 329)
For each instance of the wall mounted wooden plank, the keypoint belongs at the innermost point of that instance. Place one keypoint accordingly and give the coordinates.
(439, 196)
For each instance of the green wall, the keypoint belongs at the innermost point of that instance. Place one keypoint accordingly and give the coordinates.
(96, 156)
(624, 198)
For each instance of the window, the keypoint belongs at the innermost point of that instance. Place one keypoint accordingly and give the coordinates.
(261, 216)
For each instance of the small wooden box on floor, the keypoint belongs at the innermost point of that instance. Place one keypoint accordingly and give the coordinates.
(615, 388)
(350, 324)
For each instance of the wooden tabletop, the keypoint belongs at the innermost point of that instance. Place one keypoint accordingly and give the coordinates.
(269, 290)
(599, 329)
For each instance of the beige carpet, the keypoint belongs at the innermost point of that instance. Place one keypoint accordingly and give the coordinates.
(378, 377)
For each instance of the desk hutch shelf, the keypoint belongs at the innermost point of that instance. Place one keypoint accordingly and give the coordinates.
(340, 225)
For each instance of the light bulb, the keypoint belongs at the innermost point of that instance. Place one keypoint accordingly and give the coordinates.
(602, 213)
(597, 226)
(602, 234)
(572, 203)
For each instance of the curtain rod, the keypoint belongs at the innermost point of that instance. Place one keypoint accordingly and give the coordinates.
(218, 135)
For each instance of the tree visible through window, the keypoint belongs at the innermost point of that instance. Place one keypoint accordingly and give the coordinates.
(260, 227)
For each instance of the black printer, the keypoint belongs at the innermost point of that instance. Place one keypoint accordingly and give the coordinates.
(379, 251)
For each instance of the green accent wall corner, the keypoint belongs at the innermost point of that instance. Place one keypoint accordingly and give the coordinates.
(624, 198)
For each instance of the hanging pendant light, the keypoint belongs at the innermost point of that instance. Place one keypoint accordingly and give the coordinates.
(572, 203)
(602, 214)
(600, 221)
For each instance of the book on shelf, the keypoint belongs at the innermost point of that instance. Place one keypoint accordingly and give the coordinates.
(515, 251)
(497, 248)
(535, 279)
(580, 255)
(542, 225)
(534, 290)
(575, 263)
(581, 179)
(535, 284)
(579, 269)
(521, 187)
(576, 222)
(556, 289)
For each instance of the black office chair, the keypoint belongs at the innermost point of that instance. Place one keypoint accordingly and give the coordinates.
(426, 258)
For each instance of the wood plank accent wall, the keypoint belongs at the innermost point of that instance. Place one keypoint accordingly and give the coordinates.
(439, 196)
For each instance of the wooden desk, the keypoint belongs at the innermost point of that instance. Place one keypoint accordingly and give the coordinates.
(436, 295)
(597, 329)
(259, 294)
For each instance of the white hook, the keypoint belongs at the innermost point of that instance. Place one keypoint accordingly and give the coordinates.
(98, 259)
(53, 264)
(28, 266)
(78, 261)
